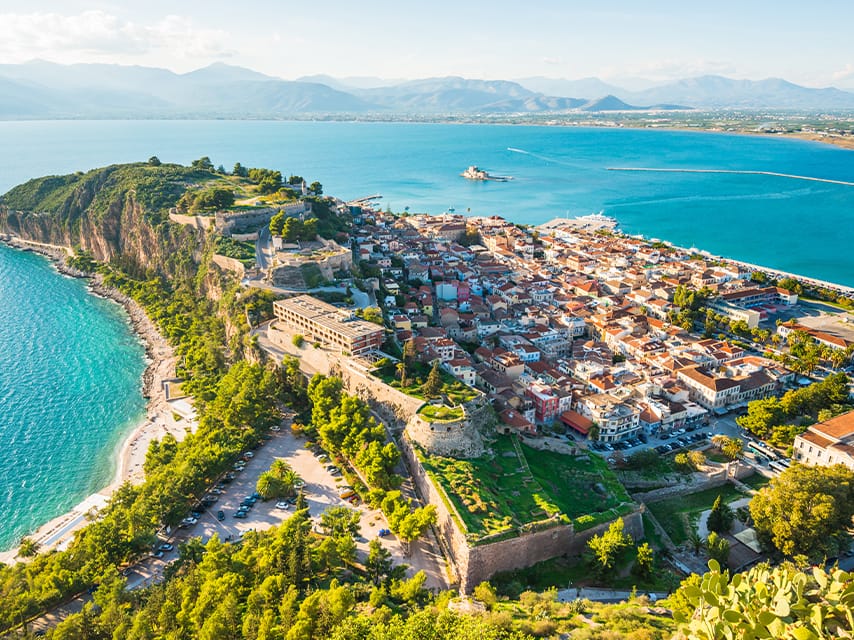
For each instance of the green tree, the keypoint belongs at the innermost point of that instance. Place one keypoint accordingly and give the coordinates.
(644, 562)
(607, 546)
(204, 163)
(379, 565)
(316, 188)
(717, 548)
(409, 350)
(433, 384)
(696, 459)
(340, 522)
(298, 340)
(240, 171)
(695, 542)
(805, 510)
(486, 593)
(27, 548)
(720, 517)
(154, 161)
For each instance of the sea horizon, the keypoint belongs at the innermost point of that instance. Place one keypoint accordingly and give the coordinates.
(782, 223)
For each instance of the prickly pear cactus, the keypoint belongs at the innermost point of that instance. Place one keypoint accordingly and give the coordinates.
(779, 603)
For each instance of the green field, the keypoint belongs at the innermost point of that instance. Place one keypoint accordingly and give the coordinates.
(679, 515)
(756, 481)
(502, 491)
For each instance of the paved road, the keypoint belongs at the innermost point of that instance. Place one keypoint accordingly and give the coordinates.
(263, 250)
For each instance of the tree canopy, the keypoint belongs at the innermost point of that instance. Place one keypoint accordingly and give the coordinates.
(805, 511)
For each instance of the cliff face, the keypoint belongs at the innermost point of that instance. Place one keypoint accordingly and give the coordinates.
(123, 231)
(104, 212)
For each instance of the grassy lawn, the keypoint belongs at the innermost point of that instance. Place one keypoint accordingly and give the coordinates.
(677, 515)
(756, 481)
(658, 467)
(716, 456)
(497, 493)
(440, 413)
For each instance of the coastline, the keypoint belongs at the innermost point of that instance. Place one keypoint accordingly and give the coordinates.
(130, 453)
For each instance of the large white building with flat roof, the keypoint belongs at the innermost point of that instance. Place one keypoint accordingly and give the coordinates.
(322, 322)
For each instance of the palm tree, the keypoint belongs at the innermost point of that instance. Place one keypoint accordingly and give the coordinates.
(289, 481)
(695, 542)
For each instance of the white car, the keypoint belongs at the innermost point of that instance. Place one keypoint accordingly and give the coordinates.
(283, 505)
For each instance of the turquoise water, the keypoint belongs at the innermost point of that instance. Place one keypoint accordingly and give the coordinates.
(794, 225)
(70, 371)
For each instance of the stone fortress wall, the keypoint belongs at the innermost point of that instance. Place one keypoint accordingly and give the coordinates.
(475, 562)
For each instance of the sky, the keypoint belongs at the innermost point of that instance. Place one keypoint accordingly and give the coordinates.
(632, 42)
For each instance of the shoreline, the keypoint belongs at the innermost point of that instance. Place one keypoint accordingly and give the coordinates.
(129, 453)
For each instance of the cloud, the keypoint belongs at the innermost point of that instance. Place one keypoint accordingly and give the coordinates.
(101, 36)
(552, 61)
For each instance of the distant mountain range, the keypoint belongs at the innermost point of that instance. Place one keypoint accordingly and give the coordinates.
(40, 89)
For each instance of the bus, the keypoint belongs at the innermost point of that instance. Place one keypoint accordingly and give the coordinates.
(777, 466)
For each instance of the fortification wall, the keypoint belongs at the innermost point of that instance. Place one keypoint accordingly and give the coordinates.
(229, 264)
(710, 481)
(454, 439)
(484, 561)
(474, 563)
(395, 407)
(197, 222)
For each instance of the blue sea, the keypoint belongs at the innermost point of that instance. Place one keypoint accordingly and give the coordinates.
(70, 373)
(69, 367)
(794, 225)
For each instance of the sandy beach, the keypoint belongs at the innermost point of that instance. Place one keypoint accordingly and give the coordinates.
(159, 420)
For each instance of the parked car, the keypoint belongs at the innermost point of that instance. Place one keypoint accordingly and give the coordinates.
(248, 454)
(282, 504)
(240, 515)
(166, 546)
(220, 515)
(384, 532)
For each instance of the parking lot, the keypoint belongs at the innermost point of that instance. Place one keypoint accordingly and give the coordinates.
(322, 490)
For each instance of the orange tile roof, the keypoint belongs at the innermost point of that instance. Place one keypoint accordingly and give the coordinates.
(837, 428)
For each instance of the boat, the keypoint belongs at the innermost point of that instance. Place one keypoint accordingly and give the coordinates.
(475, 173)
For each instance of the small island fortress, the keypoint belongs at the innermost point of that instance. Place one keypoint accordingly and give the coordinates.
(475, 173)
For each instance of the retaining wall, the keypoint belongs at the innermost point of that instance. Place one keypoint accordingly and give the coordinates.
(198, 222)
(229, 264)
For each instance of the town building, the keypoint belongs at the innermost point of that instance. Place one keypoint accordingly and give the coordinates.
(827, 443)
(322, 322)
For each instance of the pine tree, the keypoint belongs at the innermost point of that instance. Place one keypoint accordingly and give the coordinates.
(720, 517)
(434, 382)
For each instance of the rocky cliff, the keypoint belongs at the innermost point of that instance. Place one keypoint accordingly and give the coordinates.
(114, 213)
